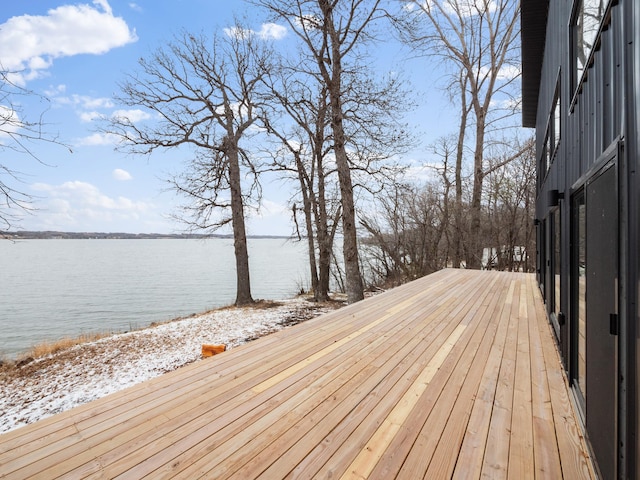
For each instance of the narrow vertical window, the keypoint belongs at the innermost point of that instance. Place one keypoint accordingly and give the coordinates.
(546, 156)
(555, 119)
(579, 292)
(585, 25)
(556, 262)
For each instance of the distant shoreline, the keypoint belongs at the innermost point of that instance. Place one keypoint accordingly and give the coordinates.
(54, 235)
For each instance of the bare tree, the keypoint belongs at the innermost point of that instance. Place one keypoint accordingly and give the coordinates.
(412, 230)
(302, 101)
(408, 232)
(18, 135)
(509, 211)
(331, 32)
(204, 93)
(476, 40)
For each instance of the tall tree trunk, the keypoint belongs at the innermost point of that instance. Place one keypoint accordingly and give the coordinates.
(353, 284)
(462, 131)
(325, 239)
(459, 231)
(313, 266)
(474, 254)
(307, 193)
(324, 236)
(243, 282)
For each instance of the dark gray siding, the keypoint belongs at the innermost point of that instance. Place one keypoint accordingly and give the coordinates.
(601, 115)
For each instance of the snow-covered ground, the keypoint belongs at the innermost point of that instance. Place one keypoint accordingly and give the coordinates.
(56, 383)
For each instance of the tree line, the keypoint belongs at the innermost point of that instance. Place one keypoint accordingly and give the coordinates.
(320, 115)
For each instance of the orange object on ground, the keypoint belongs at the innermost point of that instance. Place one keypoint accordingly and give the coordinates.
(211, 350)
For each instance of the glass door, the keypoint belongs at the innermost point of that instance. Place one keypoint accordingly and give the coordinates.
(594, 294)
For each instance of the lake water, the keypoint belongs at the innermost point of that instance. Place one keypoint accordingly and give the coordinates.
(51, 289)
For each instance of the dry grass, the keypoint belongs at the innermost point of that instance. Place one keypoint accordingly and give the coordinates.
(45, 349)
(49, 348)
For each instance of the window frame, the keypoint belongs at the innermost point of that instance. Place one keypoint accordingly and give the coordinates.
(578, 78)
(553, 135)
(577, 360)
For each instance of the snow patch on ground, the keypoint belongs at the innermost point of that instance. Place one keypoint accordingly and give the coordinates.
(90, 371)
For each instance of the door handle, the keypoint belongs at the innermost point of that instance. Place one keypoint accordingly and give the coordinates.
(613, 323)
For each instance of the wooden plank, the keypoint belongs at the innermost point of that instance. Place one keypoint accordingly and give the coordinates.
(326, 447)
(325, 400)
(365, 431)
(336, 465)
(453, 375)
(443, 430)
(306, 440)
(496, 458)
(338, 410)
(574, 459)
(369, 456)
(220, 389)
(138, 428)
(261, 387)
(547, 456)
(192, 444)
(471, 455)
(446, 451)
(521, 459)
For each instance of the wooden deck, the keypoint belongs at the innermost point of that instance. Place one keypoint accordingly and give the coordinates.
(454, 375)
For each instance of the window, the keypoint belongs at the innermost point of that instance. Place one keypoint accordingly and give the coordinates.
(585, 25)
(579, 296)
(553, 289)
(555, 121)
(545, 159)
(556, 262)
(552, 136)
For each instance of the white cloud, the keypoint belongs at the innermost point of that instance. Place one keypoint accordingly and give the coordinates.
(84, 102)
(270, 208)
(90, 116)
(120, 174)
(81, 205)
(86, 107)
(55, 90)
(506, 73)
(459, 8)
(272, 31)
(135, 7)
(9, 122)
(509, 72)
(29, 44)
(268, 31)
(97, 139)
(133, 115)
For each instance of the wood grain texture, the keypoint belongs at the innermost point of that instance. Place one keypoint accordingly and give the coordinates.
(455, 375)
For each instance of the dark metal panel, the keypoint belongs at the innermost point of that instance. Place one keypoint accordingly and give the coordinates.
(602, 283)
(608, 111)
(597, 118)
(630, 365)
(605, 111)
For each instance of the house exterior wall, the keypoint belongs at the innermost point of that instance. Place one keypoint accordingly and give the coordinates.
(593, 169)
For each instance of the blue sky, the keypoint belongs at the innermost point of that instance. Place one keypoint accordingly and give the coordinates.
(75, 53)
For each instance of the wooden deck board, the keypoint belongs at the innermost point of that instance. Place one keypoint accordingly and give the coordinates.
(455, 375)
